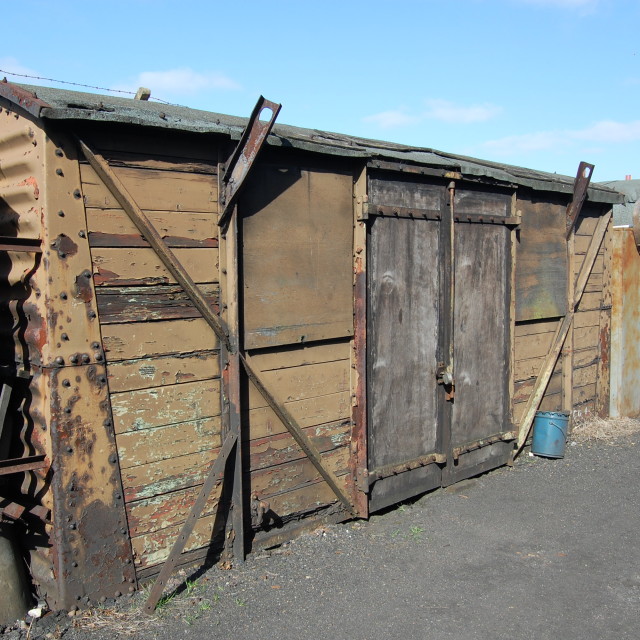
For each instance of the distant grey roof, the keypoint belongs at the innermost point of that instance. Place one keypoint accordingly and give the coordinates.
(61, 104)
(623, 213)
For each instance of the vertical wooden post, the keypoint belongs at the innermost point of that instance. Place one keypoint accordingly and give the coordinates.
(603, 386)
(358, 381)
(567, 351)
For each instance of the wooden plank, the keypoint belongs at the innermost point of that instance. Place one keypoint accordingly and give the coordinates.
(135, 266)
(586, 319)
(167, 510)
(587, 224)
(585, 337)
(295, 475)
(590, 301)
(138, 160)
(114, 228)
(585, 357)
(308, 412)
(533, 346)
(550, 402)
(541, 269)
(299, 355)
(583, 376)
(147, 408)
(135, 340)
(524, 388)
(150, 303)
(297, 256)
(526, 369)
(168, 441)
(567, 351)
(277, 450)
(308, 381)
(401, 190)
(164, 476)
(586, 393)
(594, 284)
(153, 190)
(485, 202)
(178, 368)
(603, 393)
(535, 326)
(305, 499)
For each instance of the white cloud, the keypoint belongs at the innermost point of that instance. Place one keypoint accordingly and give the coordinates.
(446, 111)
(605, 132)
(437, 109)
(180, 82)
(390, 119)
(8, 64)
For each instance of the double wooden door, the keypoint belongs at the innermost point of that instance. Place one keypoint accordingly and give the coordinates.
(439, 287)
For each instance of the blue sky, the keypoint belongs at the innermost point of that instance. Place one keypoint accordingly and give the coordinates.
(537, 83)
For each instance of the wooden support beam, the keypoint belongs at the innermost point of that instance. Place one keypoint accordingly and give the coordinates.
(563, 329)
(580, 186)
(298, 435)
(217, 468)
(142, 223)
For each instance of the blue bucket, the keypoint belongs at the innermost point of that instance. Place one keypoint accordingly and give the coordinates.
(550, 433)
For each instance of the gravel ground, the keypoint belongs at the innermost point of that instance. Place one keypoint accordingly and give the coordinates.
(546, 549)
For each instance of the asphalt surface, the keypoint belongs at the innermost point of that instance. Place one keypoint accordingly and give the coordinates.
(547, 549)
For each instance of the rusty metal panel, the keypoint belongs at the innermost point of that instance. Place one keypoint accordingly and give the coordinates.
(625, 325)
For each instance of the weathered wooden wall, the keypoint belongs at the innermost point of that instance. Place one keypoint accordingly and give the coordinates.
(162, 358)
(587, 351)
(297, 274)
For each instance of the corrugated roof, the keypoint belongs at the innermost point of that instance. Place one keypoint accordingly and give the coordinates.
(61, 104)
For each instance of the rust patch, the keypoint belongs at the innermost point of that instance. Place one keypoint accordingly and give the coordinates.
(84, 291)
(33, 183)
(65, 246)
(27, 100)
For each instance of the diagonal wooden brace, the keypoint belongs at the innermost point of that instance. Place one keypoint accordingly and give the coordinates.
(178, 547)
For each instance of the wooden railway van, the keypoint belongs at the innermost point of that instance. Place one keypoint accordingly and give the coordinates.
(359, 323)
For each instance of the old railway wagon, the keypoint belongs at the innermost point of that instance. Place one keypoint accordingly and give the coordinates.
(340, 323)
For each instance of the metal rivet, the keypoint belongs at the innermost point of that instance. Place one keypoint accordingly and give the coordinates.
(69, 449)
(127, 561)
(61, 213)
(72, 526)
(95, 345)
(77, 194)
(64, 296)
(85, 358)
(62, 254)
(86, 273)
(107, 423)
(92, 314)
(113, 458)
(74, 564)
(118, 496)
(65, 337)
(82, 234)
(123, 530)
(67, 410)
(74, 358)
(102, 380)
(59, 153)
(59, 360)
(66, 383)
(59, 172)
(98, 357)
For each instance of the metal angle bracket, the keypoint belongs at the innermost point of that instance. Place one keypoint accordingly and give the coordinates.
(245, 153)
(580, 186)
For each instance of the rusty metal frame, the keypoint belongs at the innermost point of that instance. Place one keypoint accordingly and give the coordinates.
(20, 465)
(22, 98)
(394, 469)
(245, 154)
(580, 186)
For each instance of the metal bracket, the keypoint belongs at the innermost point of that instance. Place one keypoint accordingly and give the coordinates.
(580, 186)
(245, 153)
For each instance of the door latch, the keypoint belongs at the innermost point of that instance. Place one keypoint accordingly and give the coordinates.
(444, 376)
